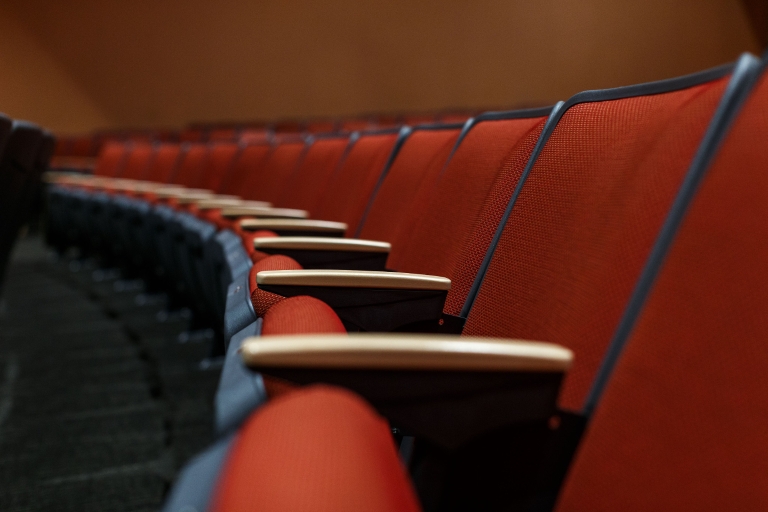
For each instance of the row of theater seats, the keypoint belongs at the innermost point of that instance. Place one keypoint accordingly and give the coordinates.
(25, 152)
(90, 145)
(622, 232)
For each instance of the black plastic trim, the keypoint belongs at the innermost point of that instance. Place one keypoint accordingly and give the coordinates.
(402, 134)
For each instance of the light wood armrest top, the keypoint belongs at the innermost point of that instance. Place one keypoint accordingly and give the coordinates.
(319, 226)
(352, 279)
(312, 243)
(63, 177)
(404, 352)
(263, 211)
(184, 195)
(218, 201)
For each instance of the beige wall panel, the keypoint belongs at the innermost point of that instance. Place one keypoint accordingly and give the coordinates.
(35, 86)
(167, 62)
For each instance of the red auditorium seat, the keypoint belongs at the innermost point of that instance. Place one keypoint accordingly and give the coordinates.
(467, 200)
(659, 437)
(678, 425)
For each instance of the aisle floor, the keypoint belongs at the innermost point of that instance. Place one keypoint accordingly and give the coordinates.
(103, 395)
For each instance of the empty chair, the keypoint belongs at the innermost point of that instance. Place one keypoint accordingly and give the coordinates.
(463, 205)
(571, 245)
(678, 425)
(644, 446)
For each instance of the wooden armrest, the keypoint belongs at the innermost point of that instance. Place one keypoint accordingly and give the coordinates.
(181, 193)
(300, 225)
(218, 201)
(309, 243)
(352, 279)
(404, 352)
(63, 177)
(234, 212)
(448, 390)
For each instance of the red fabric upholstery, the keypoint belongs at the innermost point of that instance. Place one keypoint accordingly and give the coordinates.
(681, 425)
(218, 165)
(316, 449)
(243, 178)
(321, 126)
(297, 315)
(349, 191)
(163, 164)
(304, 189)
(111, 159)
(457, 218)
(254, 136)
(222, 135)
(262, 300)
(192, 135)
(585, 222)
(190, 168)
(416, 167)
(301, 315)
(352, 125)
(277, 170)
(248, 236)
(137, 162)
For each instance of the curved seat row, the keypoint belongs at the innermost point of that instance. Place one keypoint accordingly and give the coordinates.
(557, 308)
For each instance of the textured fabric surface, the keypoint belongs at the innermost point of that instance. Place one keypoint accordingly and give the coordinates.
(417, 166)
(307, 184)
(262, 300)
(681, 425)
(163, 164)
(218, 165)
(191, 166)
(110, 160)
(278, 169)
(350, 187)
(301, 315)
(467, 203)
(138, 159)
(585, 222)
(246, 170)
(317, 449)
(248, 237)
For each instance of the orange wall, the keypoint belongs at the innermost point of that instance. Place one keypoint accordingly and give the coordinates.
(35, 86)
(168, 62)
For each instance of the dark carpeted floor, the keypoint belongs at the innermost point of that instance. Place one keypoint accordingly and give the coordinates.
(103, 396)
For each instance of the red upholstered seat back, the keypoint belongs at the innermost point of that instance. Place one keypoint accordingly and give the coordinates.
(307, 184)
(218, 165)
(192, 135)
(321, 126)
(254, 136)
(223, 135)
(136, 163)
(246, 170)
(585, 221)
(681, 424)
(278, 168)
(350, 187)
(318, 448)
(466, 204)
(417, 165)
(357, 124)
(191, 165)
(163, 164)
(111, 159)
